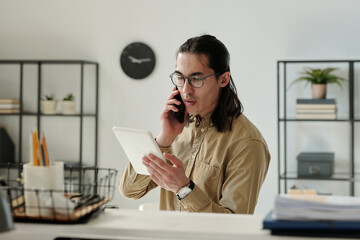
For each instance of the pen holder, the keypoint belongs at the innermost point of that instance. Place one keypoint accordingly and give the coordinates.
(38, 181)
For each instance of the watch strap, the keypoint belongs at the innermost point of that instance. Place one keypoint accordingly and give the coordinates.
(191, 185)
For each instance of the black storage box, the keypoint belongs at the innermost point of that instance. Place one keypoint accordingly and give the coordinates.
(315, 164)
(7, 147)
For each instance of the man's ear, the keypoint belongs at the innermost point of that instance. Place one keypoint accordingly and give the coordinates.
(224, 79)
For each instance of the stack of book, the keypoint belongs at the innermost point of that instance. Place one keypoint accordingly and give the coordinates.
(8, 105)
(314, 215)
(316, 109)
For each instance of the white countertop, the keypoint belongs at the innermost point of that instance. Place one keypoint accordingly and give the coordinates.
(133, 224)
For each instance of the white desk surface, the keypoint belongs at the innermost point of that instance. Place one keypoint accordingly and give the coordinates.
(132, 224)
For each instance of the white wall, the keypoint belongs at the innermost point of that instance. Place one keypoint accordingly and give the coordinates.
(256, 32)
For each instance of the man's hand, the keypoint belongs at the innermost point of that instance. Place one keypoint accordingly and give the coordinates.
(171, 178)
(170, 127)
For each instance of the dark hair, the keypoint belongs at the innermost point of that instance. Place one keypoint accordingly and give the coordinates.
(229, 106)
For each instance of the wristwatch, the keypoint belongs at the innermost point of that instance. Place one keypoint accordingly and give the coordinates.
(186, 190)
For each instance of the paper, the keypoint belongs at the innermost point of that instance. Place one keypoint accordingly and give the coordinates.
(317, 207)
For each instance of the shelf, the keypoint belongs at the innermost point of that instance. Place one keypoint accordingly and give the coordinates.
(314, 120)
(290, 127)
(335, 177)
(75, 61)
(318, 61)
(34, 116)
(50, 115)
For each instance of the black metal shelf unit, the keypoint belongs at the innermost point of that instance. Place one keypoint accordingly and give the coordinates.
(283, 120)
(81, 115)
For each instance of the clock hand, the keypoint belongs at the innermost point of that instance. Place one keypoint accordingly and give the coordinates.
(145, 60)
(134, 60)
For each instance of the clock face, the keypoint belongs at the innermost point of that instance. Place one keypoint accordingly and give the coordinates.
(137, 60)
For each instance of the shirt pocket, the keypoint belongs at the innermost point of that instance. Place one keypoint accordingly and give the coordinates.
(207, 178)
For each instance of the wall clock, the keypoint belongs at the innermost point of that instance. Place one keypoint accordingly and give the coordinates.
(137, 60)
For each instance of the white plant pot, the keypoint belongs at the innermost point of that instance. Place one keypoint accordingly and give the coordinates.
(68, 107)
(48, 106)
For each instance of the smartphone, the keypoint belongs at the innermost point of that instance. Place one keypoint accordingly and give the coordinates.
(179, 115)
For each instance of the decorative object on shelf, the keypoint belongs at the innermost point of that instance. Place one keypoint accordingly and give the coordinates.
(68, 104)
(8, 105)
(137, 60)
(48, 105)
(316, 109)
(7, 147)
(315, 164)
(319, 78)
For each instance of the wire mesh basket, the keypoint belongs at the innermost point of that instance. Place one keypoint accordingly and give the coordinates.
(85, 193)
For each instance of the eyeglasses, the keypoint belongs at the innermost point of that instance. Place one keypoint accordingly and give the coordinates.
(195, 81)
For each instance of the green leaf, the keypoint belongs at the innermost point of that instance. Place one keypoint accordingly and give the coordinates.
(319, 76)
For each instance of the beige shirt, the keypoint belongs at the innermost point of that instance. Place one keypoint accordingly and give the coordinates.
(227, 168)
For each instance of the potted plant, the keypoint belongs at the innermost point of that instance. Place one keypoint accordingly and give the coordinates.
(319, 78)
(68, 104)
(48, 104)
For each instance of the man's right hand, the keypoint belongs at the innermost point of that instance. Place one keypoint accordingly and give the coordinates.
(170, 126)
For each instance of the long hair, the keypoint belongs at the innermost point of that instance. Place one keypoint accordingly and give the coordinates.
(229, 106)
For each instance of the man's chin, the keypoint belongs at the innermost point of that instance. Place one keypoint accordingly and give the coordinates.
(191, 112)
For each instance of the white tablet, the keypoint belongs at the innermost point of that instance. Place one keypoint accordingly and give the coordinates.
(137, 143)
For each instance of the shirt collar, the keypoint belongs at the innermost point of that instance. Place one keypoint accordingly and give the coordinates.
(205, 121)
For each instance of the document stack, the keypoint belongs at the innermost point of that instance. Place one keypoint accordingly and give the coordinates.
(314, 215)
(317, 207)
(316, 109)
(9, 105)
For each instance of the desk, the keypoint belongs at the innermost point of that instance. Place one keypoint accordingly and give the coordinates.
(132, 224)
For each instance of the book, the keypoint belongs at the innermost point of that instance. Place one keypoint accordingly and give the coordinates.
(9, 105)
(316, 115)
(9, 101)
(9, 110)
(315, 101)
(315, 106)
(316, 110)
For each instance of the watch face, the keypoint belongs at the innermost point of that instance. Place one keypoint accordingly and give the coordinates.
(183, 192)
(137, 60)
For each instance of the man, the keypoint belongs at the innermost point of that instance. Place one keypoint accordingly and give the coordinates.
(217, 159)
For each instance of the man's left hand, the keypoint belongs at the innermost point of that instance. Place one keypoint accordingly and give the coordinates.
(171, 178)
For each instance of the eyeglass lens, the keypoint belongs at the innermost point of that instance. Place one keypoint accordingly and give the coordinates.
(179, 80)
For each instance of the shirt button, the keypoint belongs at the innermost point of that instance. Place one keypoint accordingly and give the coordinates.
(202, 130)
(193, 156)
(185, 207)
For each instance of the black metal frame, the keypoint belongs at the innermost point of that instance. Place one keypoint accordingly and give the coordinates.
(38, 113)
(284, 120)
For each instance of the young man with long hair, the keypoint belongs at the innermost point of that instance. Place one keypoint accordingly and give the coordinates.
(217, 159)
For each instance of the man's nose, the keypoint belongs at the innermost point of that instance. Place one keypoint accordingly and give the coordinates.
(187, 88)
